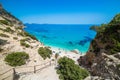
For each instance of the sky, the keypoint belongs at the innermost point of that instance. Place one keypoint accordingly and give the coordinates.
(63, 11)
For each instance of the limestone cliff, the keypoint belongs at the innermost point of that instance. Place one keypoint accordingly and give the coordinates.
(103, 57)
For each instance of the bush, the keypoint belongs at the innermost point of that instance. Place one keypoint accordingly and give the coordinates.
(1, 49)
(3, 42)
(44, 52)
(25, 34)
(23, 43)
(68, 70)
(16, 58)
(20, 28)
(56, 55)
(4, 22)
(8, 29)
(4, 35)
(31, 36)
(15, 38)
(89, 58)
(1, 29)
(118, 65)
(20, 33)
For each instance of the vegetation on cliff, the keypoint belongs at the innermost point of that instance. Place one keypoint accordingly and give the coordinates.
(44, 52)
(107, 38)
(23, 43)
(16, 58)
(101, 59)
(68, 70)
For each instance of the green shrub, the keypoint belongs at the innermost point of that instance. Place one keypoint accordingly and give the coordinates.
(15, 38)
(4, 35)
(25, 34)
(68, 70)
(1, 29)
(44, 52)
(4, 22)
(23, 43)
(3, 42)
(1, 49)
(21, 28)
(8, 29)
(20, 33)
(31, 36)
(56, 55)
(16, 58)
(118, 65)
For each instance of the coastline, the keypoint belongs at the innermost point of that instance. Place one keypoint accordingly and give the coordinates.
(70, 54)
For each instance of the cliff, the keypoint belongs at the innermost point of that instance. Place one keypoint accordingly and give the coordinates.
(9, 17)
(13, 38)
(103, 56)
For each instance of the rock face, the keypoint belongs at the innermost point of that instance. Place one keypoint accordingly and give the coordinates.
(103, 58)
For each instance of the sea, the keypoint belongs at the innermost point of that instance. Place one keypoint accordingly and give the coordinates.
(64, 36)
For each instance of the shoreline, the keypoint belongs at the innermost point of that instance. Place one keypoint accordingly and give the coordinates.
(67, 53)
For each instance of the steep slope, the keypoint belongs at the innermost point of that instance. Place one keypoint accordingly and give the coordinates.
(9, 17)
(103, 57)
(14, 39)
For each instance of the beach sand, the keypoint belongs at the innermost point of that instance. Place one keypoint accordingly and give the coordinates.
(70, 54)
(49, 73)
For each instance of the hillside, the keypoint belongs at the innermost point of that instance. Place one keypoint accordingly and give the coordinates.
(103, 57)
(23, 57)
(13, 38)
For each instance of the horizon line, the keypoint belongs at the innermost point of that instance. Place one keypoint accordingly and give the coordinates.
(59, 24)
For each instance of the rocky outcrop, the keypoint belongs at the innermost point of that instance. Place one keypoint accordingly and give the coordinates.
(103, 58)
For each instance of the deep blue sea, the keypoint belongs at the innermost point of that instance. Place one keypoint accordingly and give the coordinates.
(68, 37)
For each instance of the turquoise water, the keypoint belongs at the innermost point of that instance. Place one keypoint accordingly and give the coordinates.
(68, 37)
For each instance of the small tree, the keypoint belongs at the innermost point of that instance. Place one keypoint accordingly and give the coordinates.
(68, 70)
(56, 57)
(90, 58)
(44, 52)
(16, 58)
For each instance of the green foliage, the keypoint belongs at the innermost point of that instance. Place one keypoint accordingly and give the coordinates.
(115, 20)
(68, 70)
(118, 65)
(116, 48)
(44, 52)
(31, 36)
(1, 29)
(99, 29)
(15, 38)
(4, 22)
(3, 42)
(108, 37)
(1, 49)
(89, 58)
(56, 55)
(20, 28)
(25, 34)
(4, 35)
(8, 29)
(20, 33)
(16, 58)
(23, 43)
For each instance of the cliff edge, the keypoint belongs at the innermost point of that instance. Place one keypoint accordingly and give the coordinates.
(103, 57)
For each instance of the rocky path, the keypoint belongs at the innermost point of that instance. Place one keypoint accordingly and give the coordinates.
(48, 73)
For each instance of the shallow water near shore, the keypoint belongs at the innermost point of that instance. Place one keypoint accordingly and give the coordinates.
(68, 37)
